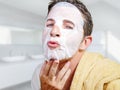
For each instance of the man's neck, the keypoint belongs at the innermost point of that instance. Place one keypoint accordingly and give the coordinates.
(74, 61)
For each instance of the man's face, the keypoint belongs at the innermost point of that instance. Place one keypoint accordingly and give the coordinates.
(63, 32)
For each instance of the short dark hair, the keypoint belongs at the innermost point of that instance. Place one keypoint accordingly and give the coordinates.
(88, 23)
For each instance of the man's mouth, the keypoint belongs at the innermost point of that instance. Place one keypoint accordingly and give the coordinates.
(53, 44)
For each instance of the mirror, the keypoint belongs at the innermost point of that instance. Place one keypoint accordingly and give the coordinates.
(14, 35)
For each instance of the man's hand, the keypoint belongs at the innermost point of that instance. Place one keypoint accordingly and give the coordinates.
(51, 78)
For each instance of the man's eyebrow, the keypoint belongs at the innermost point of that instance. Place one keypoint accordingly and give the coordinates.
(50, 19)
(68, 21)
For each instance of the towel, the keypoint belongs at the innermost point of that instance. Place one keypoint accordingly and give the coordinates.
(95, 72)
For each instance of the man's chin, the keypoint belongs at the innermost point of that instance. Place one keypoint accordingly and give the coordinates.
(60, 55)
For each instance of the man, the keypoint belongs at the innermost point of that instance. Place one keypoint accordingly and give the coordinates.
(68, 66)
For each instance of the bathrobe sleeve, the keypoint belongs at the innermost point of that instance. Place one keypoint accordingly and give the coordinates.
(95, 72)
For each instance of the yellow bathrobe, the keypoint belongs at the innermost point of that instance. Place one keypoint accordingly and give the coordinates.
(94, 72)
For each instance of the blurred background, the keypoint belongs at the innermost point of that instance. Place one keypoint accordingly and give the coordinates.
(21, 26)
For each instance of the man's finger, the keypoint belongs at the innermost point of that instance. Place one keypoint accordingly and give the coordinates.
(53, 69)
(63, 71)
(66, 76)
(47, 67)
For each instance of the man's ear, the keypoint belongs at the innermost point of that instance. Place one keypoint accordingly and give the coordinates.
(85, 43)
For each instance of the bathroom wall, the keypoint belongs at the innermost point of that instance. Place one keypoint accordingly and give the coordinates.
(106, 28)
(10, 16)
(107, 43)
(23, 43)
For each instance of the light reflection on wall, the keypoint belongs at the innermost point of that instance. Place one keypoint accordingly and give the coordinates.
(5, 35)
(113, 46)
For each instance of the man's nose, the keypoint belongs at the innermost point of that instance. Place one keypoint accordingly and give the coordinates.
(55, 32)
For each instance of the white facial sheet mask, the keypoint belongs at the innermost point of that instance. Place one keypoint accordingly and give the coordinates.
(69, 40)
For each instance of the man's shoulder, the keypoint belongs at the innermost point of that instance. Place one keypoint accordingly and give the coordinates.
(100, 61)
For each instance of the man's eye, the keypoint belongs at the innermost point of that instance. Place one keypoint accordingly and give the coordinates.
(68, 27)
(49, 25)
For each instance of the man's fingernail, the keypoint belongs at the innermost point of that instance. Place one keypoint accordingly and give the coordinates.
(46, 61)
(56, 61)
(68, 63)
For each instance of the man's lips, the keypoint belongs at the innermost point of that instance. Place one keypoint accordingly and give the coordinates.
(52, 44)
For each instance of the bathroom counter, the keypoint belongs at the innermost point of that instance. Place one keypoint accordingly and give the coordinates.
(17, 72)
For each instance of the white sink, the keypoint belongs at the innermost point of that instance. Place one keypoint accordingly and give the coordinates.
(13, 58)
